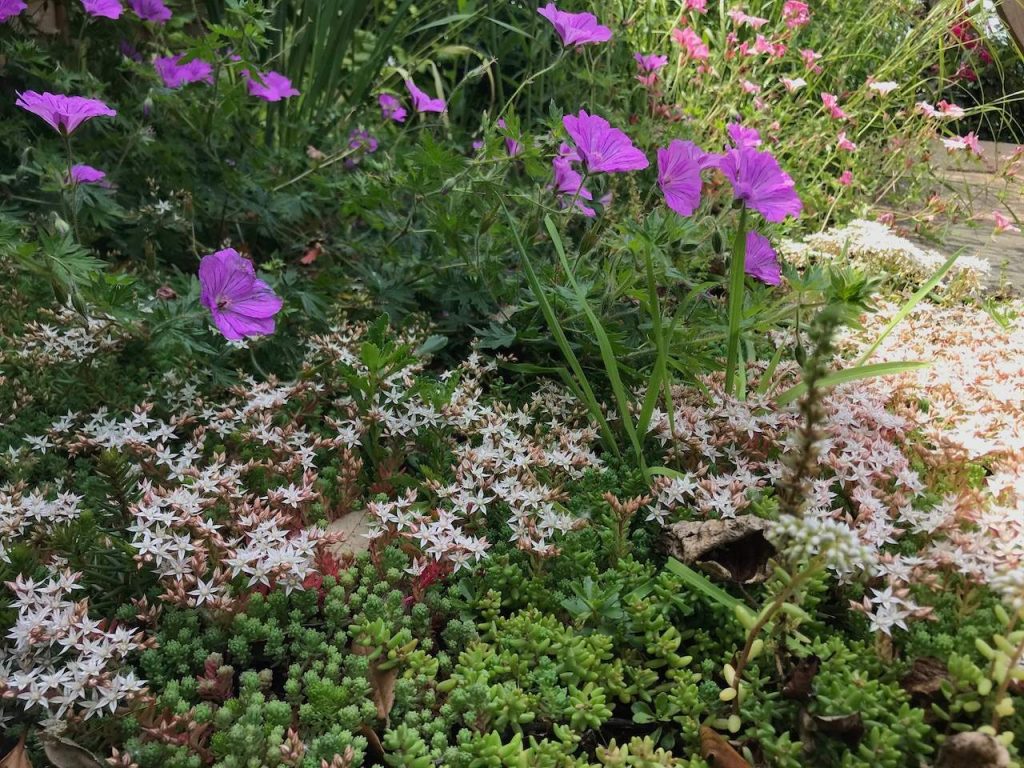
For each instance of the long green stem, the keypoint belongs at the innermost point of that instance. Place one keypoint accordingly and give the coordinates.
(736, 275)
(73, 206)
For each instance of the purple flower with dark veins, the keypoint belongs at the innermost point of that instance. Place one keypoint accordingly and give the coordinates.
(11, 8)
(107, 9)
(241, 304)
(151, 10)
(743, 137)
(391, 108)
(63, 113)
(176, 75)
(568, 185)
(761, 261)
(651, 62)
(421, 102)
(760, 183)
(679, 169)
(575, 28)
(603, 148)
(272, 86)
(86, 174)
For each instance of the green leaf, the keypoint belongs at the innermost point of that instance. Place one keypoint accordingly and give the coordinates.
(855, 373)
(700, 583)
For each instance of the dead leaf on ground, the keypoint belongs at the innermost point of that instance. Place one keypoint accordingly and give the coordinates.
(64, 753)
(17, 757)
(352, 526)
(382, 684)
(925, 677)
(800, 680)
(972, 749)
(719, 752)
(733, 549)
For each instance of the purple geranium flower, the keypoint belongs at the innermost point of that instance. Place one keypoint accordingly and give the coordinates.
(274, 86)
(241, 304)
(85, 174)
(176, 75)
(568, 185)
(651, 62)
(151, 10)
(761, 261)
(11, 8)
(743, 137)
(575, 28)
(391, 108)
(760, 183)
(362, 140)
(63, 113)
(421, 102)
(603, 148)
(108, 9)
(679, 168)
(512, 146)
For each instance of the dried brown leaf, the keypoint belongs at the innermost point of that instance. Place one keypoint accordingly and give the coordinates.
(715, 749)
(17, 757)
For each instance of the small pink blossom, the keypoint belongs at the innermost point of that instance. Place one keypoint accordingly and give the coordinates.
(696, 48)
(793, 84)
(959, 143)
(700, 6)
(740, 18)
(795, 13)
(749, 87)
(952, 111)
(810, 58)
(831, 102)
(1004, 224)
(844, 143)
(884, 88)
(846, 178)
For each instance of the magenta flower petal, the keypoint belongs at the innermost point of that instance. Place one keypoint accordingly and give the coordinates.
(568, 185)
(11, 8)
(760, 183)
(742, 136)
(274, 86)
(421, 102)
(151, 10)
(650, 62)
(575, 28)
(86, 174)
(603, 148)
(391, 108)
(176, 75)
(107, 9)
(63, 113)
(512, 146)
(679, 168)
(241, 304)
(761, 261)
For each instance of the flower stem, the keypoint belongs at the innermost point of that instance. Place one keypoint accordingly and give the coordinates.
(736, 275)
(74, 187)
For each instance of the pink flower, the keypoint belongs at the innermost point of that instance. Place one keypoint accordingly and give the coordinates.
(272, 86)
(241, 304)
(1003, 224)
(63, 113)
(810, 58)
(575, 28)
(85, 174)
(568, 185)
(743, 137)
(844, 143)
(951, 111)
(391, 108)
(695, 47)
(831, 103)
(795, 14)
(700, 6)
(421, 102)
(679, 169)
(970, 141)
(966, 72)
(603, 148)
(176, 75)
(749, 87)
(761, 261)
(846, 178)
(794, 84)
(650, 62)
(759, 182)
(11, 8)
(739, 18)
(108, 9)
(151, 10)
